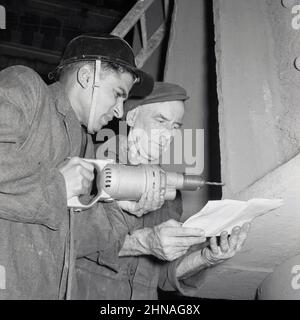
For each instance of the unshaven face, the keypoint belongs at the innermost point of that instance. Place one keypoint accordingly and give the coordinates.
(155, 126)
(110, 96)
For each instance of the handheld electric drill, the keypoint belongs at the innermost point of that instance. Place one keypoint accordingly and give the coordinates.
(127, 182)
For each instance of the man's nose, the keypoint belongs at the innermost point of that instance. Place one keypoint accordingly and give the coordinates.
(119, 110)
(168, 132)
(166, 137)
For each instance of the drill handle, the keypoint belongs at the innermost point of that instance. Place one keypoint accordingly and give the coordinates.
(75, 202)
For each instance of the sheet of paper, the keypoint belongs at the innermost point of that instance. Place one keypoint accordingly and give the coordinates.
(223, 215)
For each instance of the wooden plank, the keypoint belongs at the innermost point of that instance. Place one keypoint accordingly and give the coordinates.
(144, 31)
(166, 8)
(18, 50)
(131, 18)
(153, 43)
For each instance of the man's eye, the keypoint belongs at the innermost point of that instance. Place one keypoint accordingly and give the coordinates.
(117, 94)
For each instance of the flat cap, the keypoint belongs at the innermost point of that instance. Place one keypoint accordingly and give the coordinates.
(162, 91)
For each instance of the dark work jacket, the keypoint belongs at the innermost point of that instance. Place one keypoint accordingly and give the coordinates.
(38, 131)
(137, 277)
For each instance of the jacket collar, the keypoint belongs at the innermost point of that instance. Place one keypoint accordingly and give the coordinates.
(72, 124)
(62, 102)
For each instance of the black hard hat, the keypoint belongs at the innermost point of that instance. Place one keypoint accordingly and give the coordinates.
(109, 48)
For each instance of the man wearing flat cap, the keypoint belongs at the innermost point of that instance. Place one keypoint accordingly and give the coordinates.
(157, 252)
(44, 132)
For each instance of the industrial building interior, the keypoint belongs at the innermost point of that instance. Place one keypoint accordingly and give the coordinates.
(236, 59)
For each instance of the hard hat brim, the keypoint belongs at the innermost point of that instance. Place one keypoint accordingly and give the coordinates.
(109, 48)
(141, 88)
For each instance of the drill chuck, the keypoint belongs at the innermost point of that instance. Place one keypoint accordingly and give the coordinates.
(192, 182)
(182, 181)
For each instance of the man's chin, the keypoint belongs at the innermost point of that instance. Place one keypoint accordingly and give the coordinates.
(95, 129)
(91, 131)
(103, 123)
(152, 157)
(99, 126)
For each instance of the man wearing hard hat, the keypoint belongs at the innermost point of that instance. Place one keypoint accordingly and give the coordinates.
(44, 130)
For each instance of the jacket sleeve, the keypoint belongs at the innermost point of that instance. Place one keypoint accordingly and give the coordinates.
(100, 233)
(171, 209)
(187, 287)
(168, 280)
(30, 192)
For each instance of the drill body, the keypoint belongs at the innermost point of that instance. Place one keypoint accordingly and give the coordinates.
(128, 182)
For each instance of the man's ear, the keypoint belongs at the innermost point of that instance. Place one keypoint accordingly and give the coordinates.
(131, 116)
(84, 76)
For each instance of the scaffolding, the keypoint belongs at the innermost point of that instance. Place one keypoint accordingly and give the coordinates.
(137, 16)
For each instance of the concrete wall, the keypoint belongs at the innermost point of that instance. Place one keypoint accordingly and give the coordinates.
(259, 97)
(258, 89)
(273, 238)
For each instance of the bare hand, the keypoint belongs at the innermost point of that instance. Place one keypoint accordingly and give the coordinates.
(229, 246)
(194, 262)
(169, 240)
(150, 201)
(78, 175)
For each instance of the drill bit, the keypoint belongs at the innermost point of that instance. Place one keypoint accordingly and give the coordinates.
(214, 183)
(194, 182)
